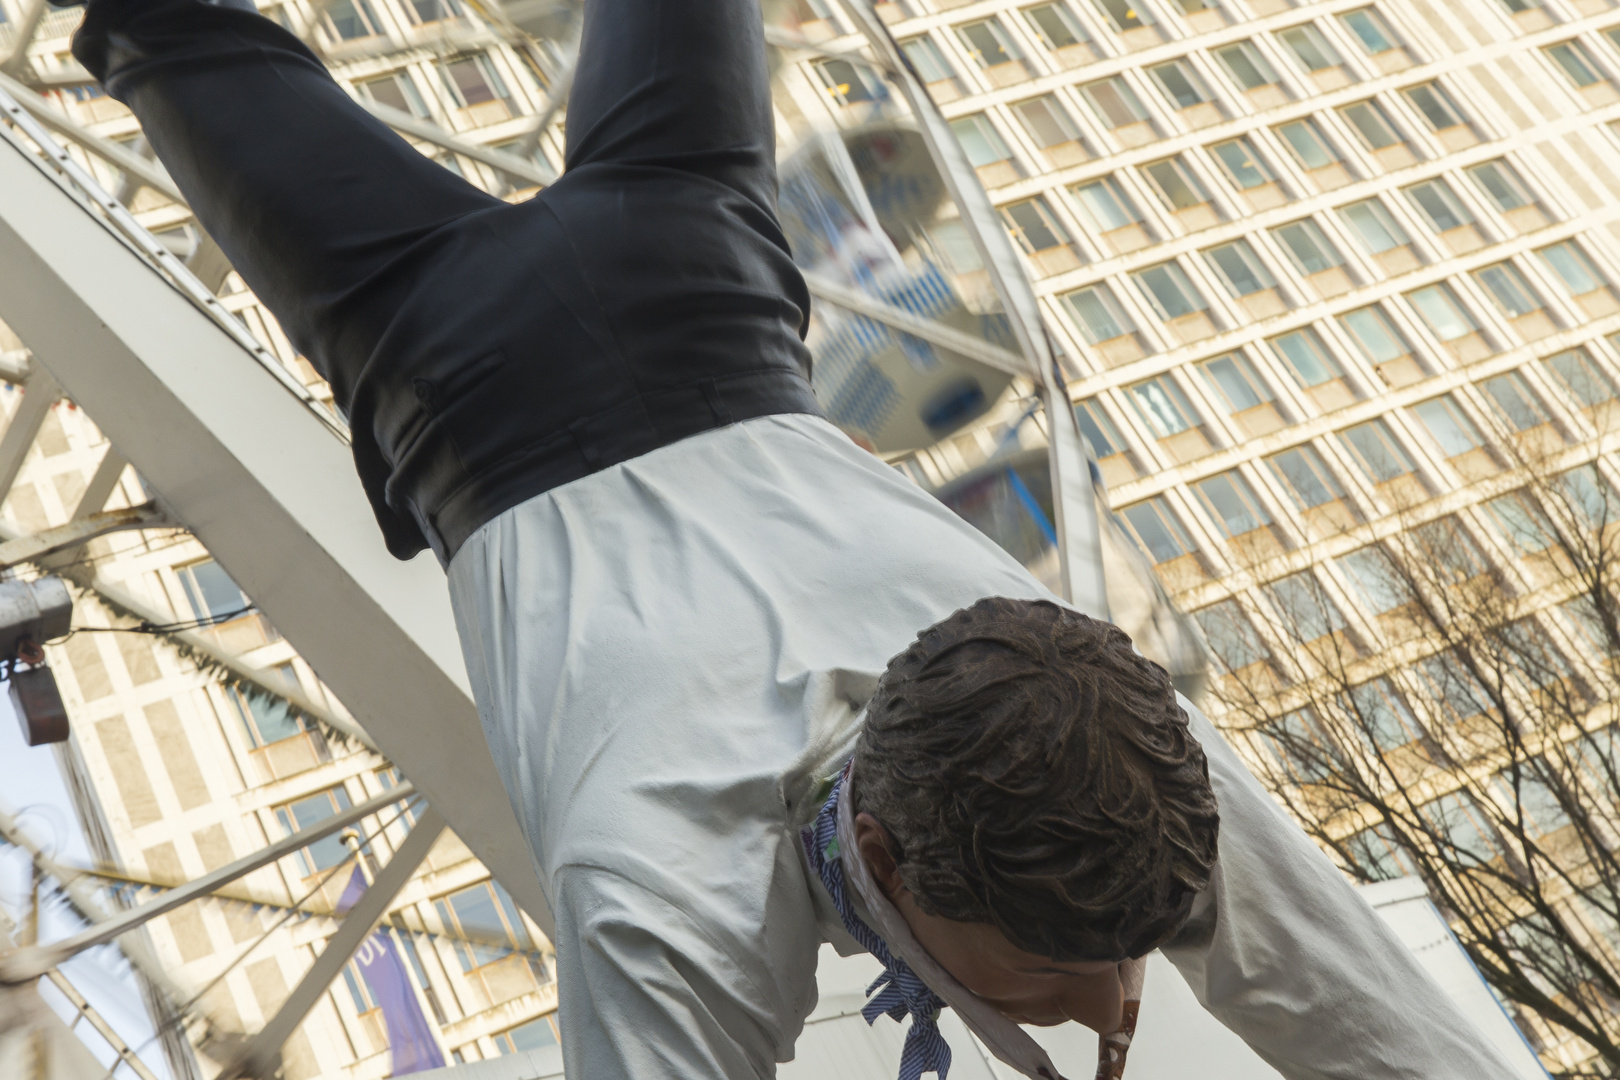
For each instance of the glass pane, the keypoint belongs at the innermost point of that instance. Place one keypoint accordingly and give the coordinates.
(1434, 107)
(1241, 164)
(1306, 477)
(1581, 375)
(1383, 459)
(1115, 102)
(1509, 289)
(1372, 223)
(1123, 14)
(1369, 31)
(1233, 377)
(532, 1036)
(1572, 267)
(1570, 57)
(1245, 65)
(1306, 142)
(1098, 429)
(1304, 353)
(1515, 401)
(1232, 504)
(1097, 316)
(1310, 248)
(1175, 185)
(1051, 25)
(1105, 205)
(1375, 335)
(1231, 636)
(1368, 120)
(212, 593)
(1241, 270)
(1160, 404)
(1448, 426)
(1311, 48)
(1439, 205)
(349, 18)
(979, 140)
(1046, 121)
(985, 44)
(1160, 534)
(1177, 82)
(1170, 291)
(927, 59)
(1500, 185)
(1441, 311)
(1032, 227)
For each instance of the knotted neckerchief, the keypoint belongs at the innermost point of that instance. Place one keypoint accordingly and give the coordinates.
(829, 844)
(901, 990)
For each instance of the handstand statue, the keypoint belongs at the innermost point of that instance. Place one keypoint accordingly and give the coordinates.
(679, 587)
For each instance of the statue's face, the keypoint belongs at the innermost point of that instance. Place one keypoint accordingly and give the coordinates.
(1027, 988)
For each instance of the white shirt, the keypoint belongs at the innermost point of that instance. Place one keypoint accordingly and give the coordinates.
(669, 653)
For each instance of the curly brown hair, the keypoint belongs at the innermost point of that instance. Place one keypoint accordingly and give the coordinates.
(1035, 773)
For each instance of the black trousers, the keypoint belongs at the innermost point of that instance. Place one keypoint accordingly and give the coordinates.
(486, 352)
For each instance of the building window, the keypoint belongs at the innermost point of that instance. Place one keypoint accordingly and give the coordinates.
(1242, 164)
(1098, 314)
(1115, 102)
(1232, 503)
(428, 11)
(931, 65)
(1573, 268)
(1374, 580)
(1231, 636)
(1105, 205)
(1307, 612)
(1519, 7)
(1453, 690)
(1176, 184)
(269, 719)
(1033, 226)
(1439, 205)
(484, 913)
(1576, 62)
(1375, 448)
(1509, 289)
(988, 43)
(1181, 83)
(1584, 379)
(843, 82)
(1308, 246)
(213, 596)
(1055, 25)
(1308, 144)
(1382, 714)
(1520, 522)
(1169, 290)
(309, 812)
(1370, 30)
(531, 1036)
(1311, 48)
(1443, 312)
(1449, 425)
(1501, 185)
(473, 80)
(1591, 497)
(1236, 383)
(1513, 398)
(353, 19)
(397, 91)
(1123, 15)
(1247, 66)
(1373, 226)
(1098, 429)
(1046, 121)
(1307, 357)
(1157, 530)
(1372, 124)
(1240, 268)
(1163, 407)
(1376, 336)
(1435, 104)
(1306, 477)
(980, 140)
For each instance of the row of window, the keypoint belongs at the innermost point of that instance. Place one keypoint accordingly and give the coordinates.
(999, 47)
(1170, 292)
(1302, 472)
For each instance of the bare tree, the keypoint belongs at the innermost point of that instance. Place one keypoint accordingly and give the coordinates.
(1465, 730)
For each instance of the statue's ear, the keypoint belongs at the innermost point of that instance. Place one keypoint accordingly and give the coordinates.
(878, 849)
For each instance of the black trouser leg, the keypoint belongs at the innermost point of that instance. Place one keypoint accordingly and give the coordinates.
(305, 191)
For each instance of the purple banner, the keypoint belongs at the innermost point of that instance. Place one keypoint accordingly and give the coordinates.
(410, 1039)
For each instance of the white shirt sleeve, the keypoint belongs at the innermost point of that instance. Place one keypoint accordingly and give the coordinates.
(1284, 952)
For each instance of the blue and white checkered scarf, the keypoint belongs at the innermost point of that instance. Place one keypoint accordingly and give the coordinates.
(899, 990)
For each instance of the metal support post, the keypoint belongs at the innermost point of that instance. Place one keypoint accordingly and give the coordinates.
(1079, 553)
(258, 1058)
(40, 392)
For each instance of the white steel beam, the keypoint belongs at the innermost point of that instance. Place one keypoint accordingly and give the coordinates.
(75, 533)
(32, 962)
(39, 393)
(261, 479)
(126, 1055)
(148, 172)
(429, 132)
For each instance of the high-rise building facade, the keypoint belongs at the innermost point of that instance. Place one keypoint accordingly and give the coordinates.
(1308, 264)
